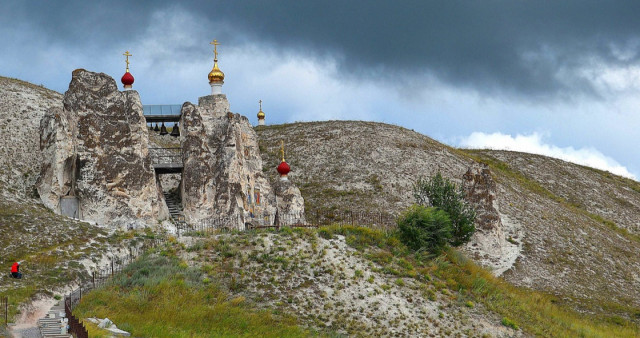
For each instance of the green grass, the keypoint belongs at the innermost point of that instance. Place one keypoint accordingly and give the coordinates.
(534, 312)
(159, 296)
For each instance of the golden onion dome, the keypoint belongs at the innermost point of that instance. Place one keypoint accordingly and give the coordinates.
(260, 114)
(216, 75)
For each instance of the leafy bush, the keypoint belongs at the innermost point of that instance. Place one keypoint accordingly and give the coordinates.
(423, 228)
(443, 194)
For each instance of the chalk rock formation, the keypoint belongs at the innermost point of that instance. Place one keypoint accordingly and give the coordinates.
(481, 192)
(290, 203)
(222, 179)
(488, 240)
(57, 130)
(96, 150)
(22, 106)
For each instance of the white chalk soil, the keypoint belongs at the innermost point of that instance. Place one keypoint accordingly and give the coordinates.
(27, 324)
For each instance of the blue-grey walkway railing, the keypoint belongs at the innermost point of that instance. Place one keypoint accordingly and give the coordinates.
(162, 112)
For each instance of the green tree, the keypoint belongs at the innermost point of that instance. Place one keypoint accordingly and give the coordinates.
(440, 192)
(423, 228)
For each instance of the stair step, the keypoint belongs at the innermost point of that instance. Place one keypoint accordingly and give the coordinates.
(48, 320)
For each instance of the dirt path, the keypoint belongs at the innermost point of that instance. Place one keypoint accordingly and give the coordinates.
(27, 325)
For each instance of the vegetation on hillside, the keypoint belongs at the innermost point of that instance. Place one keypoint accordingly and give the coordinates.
(50, 247)
(421, 228)
(469, 284)
(161, 295)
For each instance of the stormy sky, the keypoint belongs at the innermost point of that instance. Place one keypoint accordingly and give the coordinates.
(560, 78)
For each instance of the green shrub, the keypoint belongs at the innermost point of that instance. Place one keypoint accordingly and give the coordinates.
(443, 194)
(509, 323)
(421, 228)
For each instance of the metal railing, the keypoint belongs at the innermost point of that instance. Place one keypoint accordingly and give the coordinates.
(75, 326)
(161, 109)
(4, 306)
(377, 220)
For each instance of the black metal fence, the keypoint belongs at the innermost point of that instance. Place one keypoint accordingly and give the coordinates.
(76, 327)
(377, 220)
(4, 309)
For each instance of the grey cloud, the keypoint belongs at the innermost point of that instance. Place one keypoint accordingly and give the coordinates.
(528, 48)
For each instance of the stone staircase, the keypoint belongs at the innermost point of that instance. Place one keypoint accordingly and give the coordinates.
(175, 208)
(54, 324)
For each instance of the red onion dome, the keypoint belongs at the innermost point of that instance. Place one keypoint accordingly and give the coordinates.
(283, 168)
(127, 79)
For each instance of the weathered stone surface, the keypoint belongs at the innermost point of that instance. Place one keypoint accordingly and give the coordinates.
(489, 240)
(22, 106)
(96, 149)
(222, 174)
(290, 203)
(57, 147)
(480, 191)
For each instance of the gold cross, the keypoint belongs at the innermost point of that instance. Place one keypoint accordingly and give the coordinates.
(127, 60)
(260, 104)
(215, 48)
(282, 149)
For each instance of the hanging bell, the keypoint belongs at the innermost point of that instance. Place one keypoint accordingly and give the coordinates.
(163, 130)
(156, 128)
(175, 131)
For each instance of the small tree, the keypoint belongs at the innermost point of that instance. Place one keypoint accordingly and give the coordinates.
(423, 228)
(443, 194)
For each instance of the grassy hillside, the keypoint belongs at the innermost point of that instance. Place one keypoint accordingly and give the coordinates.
(159, 296)
(335, 280)
(52, 248)
(576, 227)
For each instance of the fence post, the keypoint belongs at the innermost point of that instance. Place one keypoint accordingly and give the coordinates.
(80, 293)
(6, 310)
(111, 267)
(93, 279)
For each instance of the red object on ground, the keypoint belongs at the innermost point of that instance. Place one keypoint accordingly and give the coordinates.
(14, 267)
(127, 79)
(283, 168)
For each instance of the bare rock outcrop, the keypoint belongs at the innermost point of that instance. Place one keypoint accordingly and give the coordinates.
(480, 191)
(489, 244)
(22, 106)
(290, 203)
(96, 150)
(222, 176)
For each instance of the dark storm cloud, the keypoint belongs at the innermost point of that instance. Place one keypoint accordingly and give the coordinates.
(534, 48)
